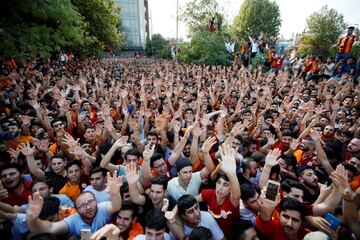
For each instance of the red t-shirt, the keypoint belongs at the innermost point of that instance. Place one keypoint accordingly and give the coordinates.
(273, 231)
(280, 146)
(14, 199)
(224, 214)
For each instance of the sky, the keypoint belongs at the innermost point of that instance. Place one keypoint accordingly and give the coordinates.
(293, 14)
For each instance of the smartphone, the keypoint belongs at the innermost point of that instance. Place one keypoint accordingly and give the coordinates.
(272, 190)
(85, 234)
(334, 221)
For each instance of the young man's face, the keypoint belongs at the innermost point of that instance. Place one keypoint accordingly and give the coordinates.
(14, 130)
(253, 203)
(287, 140)
(58, 126)
(160, 167)
(132, 159)
(222, 188)
(186, 150)
(74, 173)
(185, 174)
(57, 165)
(250, 234)
(42, 188)
(290, 221)
(153, 234)
(309, 178)
(192, 215)
(97, 181)
(89, 134)
(11, 178)
(152, 140)
(124, 220)
(157, 193)
(355, 162)
(295, 193)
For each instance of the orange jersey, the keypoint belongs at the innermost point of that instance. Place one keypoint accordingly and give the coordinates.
(346, 43)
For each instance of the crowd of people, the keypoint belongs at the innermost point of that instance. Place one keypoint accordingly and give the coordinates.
(137, 148)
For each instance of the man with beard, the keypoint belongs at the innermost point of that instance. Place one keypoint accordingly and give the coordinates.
(17, 137)
(307, 176)
(249, 170)
(354, 146)
(289, 224)
(90, 214)
(16, 191)
(189, 211)
(98, 185)
(126, 221)
(305, 154)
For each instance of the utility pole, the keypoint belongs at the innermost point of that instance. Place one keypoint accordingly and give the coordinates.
(177, 28)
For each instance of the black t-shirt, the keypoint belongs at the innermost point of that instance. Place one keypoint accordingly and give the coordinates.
(57, 182)
(242, 180)
(149, 206)
(311, 198)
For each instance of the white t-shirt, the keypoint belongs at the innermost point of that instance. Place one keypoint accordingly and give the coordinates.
(206, 221)
(176, 191)
(101, 196)
(329, 69)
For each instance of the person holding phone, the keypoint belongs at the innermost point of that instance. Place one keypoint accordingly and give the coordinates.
(290, 222)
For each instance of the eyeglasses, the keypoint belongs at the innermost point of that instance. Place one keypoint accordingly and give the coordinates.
(89, 203)
(58, 125)
(161, 165)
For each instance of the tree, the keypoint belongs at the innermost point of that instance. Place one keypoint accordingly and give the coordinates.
(36, 27)
(323, 29)
(256, 16)
(199, 13)
(103, 21)
(157, 46)
(205, 48)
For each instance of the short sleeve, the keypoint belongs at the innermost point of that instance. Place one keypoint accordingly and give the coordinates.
(206, 194)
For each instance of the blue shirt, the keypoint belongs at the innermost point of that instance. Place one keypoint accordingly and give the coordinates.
(75, 222)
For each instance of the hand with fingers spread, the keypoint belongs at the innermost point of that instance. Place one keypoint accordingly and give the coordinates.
(35, 205)
(271, 140)
(272, 158)
(227, 162)
(44, 145)
(109, 231)
(121, 142)
(148, 152)
(208, 144)
(114, 183)
(294, 144)
(236, 130)
(14, 153)
(26, 149)
(131, 173)
(340, 180)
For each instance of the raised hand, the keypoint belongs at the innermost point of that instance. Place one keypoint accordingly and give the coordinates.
(177, 126)
(14, 153)
(114, 183)
(315, 136)
(26, 149)
(272, 158)
(35, 205)
(340, 180)
(109, 231)
(294, 144)
(227, 162)
(165, 205)
(148, 152)
(208, 144)
(131, 173)
(121, 142)
(271, 140)
(44, 145)
(26, 120)
(236, 130)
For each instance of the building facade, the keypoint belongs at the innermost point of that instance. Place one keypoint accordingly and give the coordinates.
(134, 22)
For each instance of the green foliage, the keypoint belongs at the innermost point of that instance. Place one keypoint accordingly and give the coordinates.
(256, 16)
(323, 30)
(103, 21)
(158, 47)
(198, 14)
(205, 48)
(40, 27)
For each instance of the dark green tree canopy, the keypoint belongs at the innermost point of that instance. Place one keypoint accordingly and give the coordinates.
(256, 16)
(205, 48)
(323, 29)
(33, 28)
(158, 46)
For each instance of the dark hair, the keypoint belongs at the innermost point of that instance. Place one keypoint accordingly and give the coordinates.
(72, 163)
(350, 168)
(128, 205)
(132, 152)
(240, 227)
(38, 181)
(300, 170)
(11, 165)
(160, 180)
(248, 141)
(50, 207)
(289, 160)
(124, 189)
(294, 205)
(155, 157)
(223, 176)
(57, 156)
(155, 219)
(153, 134)
(246, 163)
(99, 169)
(287, 133)
(185, 201)
(200, 233)
(289, 183)
(247, 191)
